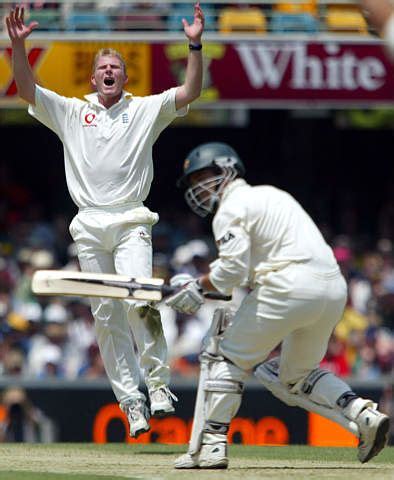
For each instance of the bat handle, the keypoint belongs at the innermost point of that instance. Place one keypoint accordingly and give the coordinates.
(217, 296)
(169, 290)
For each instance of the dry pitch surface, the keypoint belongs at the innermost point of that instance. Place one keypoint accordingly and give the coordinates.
(117, 461)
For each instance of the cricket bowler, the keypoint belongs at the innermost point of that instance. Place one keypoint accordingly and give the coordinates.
(107, 140)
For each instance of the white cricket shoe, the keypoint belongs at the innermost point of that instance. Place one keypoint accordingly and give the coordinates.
(374, 428)
(138, 415)
(161, 402)
(210, 456)
(186, 461)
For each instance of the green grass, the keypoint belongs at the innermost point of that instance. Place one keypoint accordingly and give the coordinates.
(153, 461)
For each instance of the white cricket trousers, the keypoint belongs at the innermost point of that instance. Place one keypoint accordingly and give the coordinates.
(298, 306)
(109, 241)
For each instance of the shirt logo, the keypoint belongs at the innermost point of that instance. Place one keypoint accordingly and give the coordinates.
(125, 118)
(90, 120)
(226, 238)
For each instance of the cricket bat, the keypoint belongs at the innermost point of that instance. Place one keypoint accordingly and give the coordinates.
(80, 284)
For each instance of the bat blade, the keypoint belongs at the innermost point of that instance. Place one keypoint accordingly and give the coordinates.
(62, 282)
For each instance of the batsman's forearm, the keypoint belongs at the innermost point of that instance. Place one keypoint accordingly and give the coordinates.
(378, 12)
(23, 73)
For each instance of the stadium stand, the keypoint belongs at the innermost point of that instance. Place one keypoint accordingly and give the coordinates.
(48, 19)
(345, 18)
(249, 19)
(183, 10)
(294, 17)
(89, 20)
(262, 17)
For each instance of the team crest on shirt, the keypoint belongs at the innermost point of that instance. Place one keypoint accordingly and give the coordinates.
(89, 120)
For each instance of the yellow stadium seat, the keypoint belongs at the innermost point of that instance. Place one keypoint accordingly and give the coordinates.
(249, 19)
(346, 19)
(307, 7)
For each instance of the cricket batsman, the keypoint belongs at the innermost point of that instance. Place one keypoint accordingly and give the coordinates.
(266, 240)
(107, 140)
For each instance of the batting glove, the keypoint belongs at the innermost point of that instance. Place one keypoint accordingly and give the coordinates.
(190, 298)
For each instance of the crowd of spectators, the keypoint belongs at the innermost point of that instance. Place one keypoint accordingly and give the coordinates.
(47, 337)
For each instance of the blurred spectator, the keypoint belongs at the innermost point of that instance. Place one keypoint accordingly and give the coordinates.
(81, 337)
(335, 359)
(30, 261)
(21, 421)
(365, 367)
(13, 363)
(48, 353)
(94, 367)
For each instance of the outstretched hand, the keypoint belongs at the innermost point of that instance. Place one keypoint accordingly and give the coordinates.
(15, 22)
(194, 31)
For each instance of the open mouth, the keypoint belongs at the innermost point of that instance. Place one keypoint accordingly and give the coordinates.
(109, 82)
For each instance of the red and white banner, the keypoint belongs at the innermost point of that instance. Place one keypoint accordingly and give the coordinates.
(269, 73)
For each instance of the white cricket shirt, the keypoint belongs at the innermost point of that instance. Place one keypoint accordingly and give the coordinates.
(107, 152)
(261, 229)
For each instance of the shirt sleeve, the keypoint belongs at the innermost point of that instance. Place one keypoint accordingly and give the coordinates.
(168, 106)
(231, 269)
(50, 109)
(167, 112)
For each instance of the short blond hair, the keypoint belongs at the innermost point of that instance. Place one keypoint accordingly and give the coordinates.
(104, 52)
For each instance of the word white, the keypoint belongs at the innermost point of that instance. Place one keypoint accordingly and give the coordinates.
(271, 65)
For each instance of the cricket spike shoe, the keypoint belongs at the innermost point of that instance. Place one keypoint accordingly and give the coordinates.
(161, 402)
(374, 427)
(209, 457)
(138, 415)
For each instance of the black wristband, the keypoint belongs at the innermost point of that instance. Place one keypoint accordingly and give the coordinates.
(195, 47)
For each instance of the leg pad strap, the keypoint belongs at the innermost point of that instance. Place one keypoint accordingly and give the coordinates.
(224, 386)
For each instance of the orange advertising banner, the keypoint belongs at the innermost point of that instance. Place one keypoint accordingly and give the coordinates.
(65, 67)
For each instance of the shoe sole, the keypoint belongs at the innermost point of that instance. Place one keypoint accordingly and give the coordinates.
(192, 467)
(220, 466)
(162, 413)
(140, 432)
(204, 467)
(381, 440)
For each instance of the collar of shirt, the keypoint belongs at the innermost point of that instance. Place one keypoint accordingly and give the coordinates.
(238, 182)
(93, 99)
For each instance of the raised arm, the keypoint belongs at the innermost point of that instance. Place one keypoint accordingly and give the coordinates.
(18, 32)
(191, 88)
